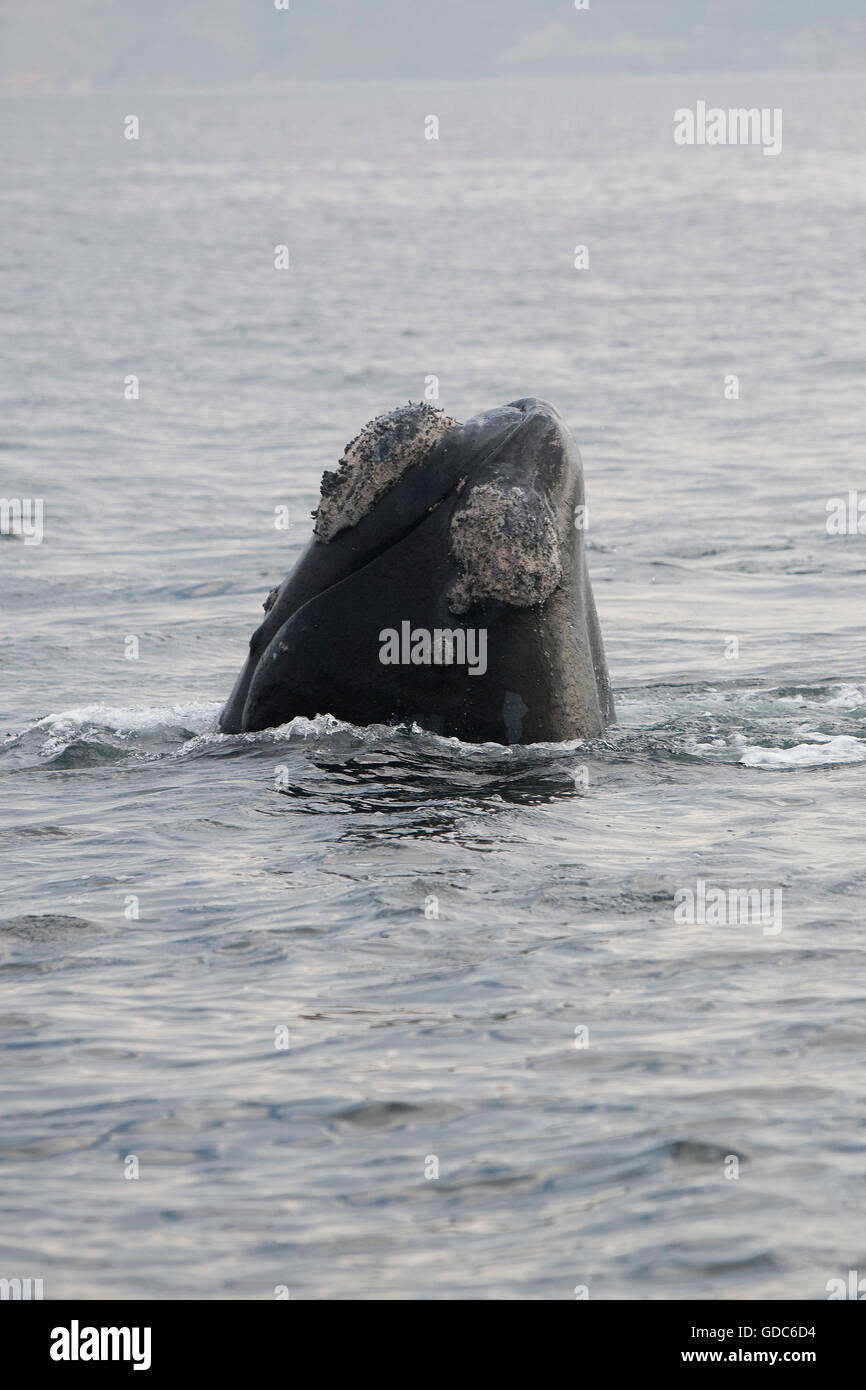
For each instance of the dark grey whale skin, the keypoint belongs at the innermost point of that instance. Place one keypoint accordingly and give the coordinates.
(317, 650)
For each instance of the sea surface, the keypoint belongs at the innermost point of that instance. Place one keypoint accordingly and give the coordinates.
(365, 1013)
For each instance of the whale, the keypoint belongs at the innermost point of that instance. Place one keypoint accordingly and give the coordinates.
(444, 587)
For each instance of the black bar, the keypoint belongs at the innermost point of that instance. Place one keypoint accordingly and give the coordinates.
(280, 1336)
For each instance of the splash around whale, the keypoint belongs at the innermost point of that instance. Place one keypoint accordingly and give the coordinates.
(445, 585)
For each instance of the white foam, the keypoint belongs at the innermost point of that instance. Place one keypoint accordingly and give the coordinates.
(325, 725)
(299, 727)
(197, 716)
(841, 749)
(848, 697)
(711, 700)
(194, 725)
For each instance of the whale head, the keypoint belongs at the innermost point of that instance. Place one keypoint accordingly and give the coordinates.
(445, 585)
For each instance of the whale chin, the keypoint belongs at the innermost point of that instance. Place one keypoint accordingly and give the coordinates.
(445, 585)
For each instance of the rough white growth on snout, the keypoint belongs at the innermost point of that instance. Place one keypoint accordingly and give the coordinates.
(373, 462)
(506, 545)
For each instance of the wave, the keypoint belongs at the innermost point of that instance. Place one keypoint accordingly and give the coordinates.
(821, 752)
(780, 727)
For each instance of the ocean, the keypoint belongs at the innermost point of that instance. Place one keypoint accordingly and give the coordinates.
(364, 1013)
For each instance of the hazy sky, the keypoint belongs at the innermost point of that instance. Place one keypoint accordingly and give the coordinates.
(125, 42)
